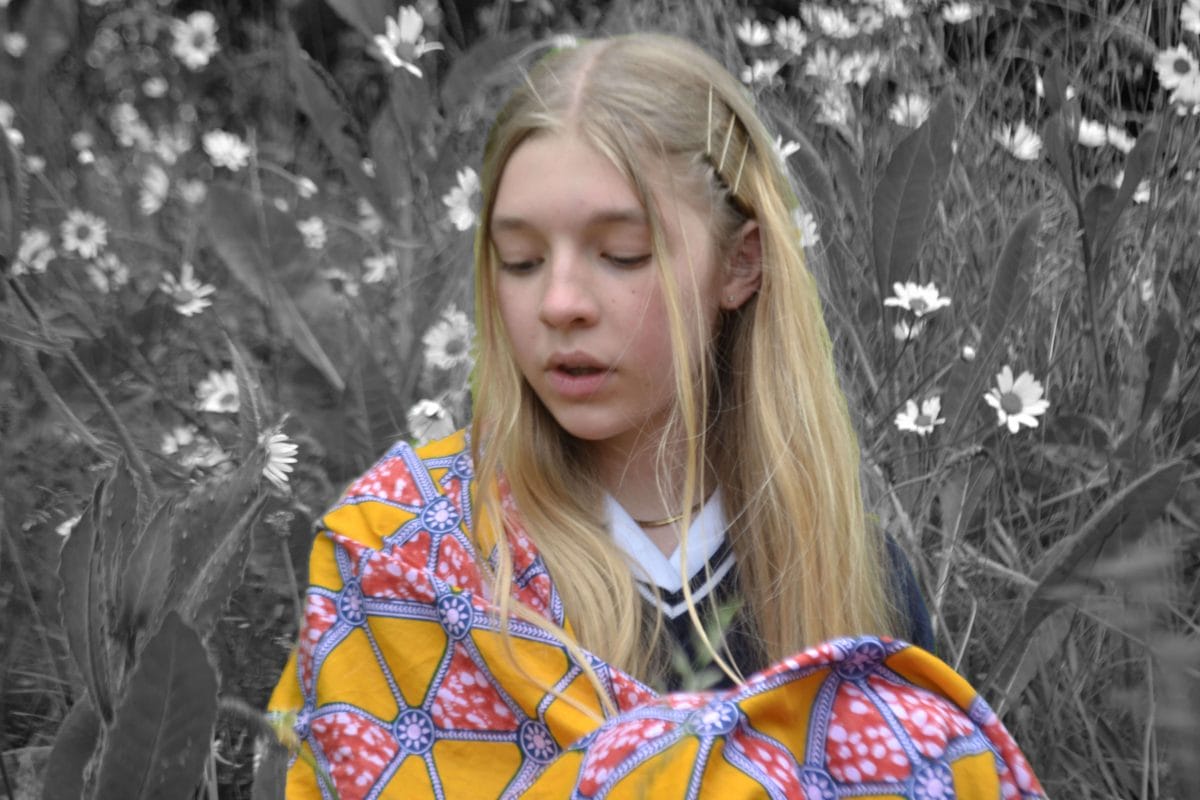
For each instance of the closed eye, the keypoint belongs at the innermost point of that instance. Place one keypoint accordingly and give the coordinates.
(519, 267)
(628, 261)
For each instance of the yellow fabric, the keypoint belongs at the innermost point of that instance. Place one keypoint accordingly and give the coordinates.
(402, 686)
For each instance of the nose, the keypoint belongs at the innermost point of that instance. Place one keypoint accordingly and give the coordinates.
(568, 295)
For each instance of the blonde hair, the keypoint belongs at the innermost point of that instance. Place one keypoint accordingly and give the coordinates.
(764, 411)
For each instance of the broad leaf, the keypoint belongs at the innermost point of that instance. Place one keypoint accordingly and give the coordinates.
(162, 730)
(1058, 136)
(1161, 353)
(145, 580)
(1137, 165)
(942, 128)
(74, 746)
(1097, 210)
(368, 16)
(82, 605)
(901, 206)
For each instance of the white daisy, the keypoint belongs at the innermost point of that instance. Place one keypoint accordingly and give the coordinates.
(910, 110)
(752, 32)
(155, 87)
(314, 232)
(218, 393)
(1119, 138)
(34, 253)
(34, 165)
(1174, 65)
(825, 64)
(65, 527)
(835, 107)
(1016, 402)
(369, 221)
(832, 22)
(429, 420)
(177, 438)
(203, 452)
(806, 227)
(920, 300)
(378, 268)
(226, 149)
(1022, 141)
(858, 67)
(155, 187)
(281, 456)
(129, 128)
(403, 43)
(1187, 95)
(1092, 133)
(341, 281)
(448, 341)
(305, 187)
(958, 13)
(107, 273)
(905, 332)
(189, 295)
(761, 71)
(83, 233)
(785, 149)
(920, 421)
(564, 41)
(463, 200)
(195, 39)
(15, 44)
(789, 35)
(967, 353)
(1189, 16)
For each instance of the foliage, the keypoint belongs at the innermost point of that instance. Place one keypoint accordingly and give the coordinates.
(195, 262)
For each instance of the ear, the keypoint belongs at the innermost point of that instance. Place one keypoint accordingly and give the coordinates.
(743, 273)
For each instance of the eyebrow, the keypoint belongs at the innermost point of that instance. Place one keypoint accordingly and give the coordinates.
(608, 217)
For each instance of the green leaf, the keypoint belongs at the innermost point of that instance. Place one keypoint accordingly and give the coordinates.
(74, 746)
(1007, 298)
(82, 604)
(252, 414)
(901, 206)
(942, 127)
(1054, 86)
(162, 730)
(1161, 352)
(318, 97)
(1097, 208)
(228, 219)
(1058, 136)
(209, 532)
(145, 580)
(368, 16)
(1137, 165)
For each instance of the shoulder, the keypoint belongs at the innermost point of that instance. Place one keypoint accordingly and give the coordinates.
(430, 483)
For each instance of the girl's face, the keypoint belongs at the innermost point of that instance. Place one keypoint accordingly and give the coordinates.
(579, 293)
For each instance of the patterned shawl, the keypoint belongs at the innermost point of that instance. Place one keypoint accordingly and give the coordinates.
(401, 684)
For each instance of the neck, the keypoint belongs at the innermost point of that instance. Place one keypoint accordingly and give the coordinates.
(631, 474)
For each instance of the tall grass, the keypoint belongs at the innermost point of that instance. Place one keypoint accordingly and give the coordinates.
(1059, 561)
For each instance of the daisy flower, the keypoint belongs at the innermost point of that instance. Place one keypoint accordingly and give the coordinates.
(15, 44)
(107, 273)
(1189, 16)
(904, 332)
(921, 421)
(189, 295)
(1119, 138)
(1174, 65)
(281, 455)
(448, 341)
(314, 232)
(910, 110)
(1092, 133)
(83, 233)
(403, 43)
(305, 187)
(34, 253)
(369, 222)
(958, 13)
(806, 226)
(463, 199)
(785, 149)
(195, 39)
(789, 35)
(761, 70)
(752, 32)
(378, 267)
(967, 353)
(1016, 402)
(825, 64)
(920, 300)
(218, 393)
(193, 192)
(155, 186)
(1020, 140)
(155, 86)
(429, 420)
(832, 22)
(177, 438)
(835, 107)
(1187, 95)
(65, 527)
(226, 149)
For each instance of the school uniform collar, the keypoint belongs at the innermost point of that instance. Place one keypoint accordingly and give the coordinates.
(705, 536)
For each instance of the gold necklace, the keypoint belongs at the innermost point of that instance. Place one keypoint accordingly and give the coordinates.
(659, 523)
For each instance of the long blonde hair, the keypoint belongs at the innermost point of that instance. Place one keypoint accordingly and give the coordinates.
(763, 412)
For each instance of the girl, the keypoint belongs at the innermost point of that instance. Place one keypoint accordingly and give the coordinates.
(659, 438)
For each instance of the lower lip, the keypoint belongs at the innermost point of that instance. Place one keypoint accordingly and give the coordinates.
(576, 387)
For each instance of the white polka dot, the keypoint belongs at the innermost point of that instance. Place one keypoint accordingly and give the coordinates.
(837, 733)
(853, 775)
(859, 707)
(868, 767)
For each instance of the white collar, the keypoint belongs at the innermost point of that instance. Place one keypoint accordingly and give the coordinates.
(704, 536)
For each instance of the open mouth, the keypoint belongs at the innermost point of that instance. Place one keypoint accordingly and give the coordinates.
(577, 371)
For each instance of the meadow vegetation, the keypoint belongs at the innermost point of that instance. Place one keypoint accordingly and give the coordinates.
(236, 243)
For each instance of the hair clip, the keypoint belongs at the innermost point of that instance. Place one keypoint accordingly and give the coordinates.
(728, 136)
(737, 180)
(708, 128)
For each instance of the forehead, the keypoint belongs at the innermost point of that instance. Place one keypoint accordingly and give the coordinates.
(559, 177)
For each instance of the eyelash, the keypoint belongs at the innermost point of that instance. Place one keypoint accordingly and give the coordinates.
(626, 262)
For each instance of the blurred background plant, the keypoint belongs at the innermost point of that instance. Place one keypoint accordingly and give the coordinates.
(236, 240)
